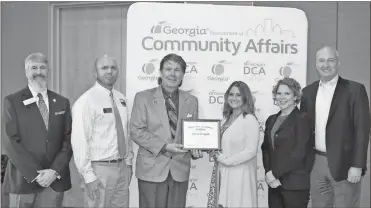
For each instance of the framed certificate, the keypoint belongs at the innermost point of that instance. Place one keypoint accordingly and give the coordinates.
(201, 134)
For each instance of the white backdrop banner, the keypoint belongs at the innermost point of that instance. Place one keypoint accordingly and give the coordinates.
(221, 44)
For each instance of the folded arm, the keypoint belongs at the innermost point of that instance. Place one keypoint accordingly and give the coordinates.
(303, 147)
(251, 136)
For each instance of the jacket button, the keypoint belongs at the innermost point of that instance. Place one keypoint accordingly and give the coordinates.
(171, 157)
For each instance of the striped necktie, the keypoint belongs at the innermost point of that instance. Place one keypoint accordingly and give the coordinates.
(119, 128)
(173, 117)
(43, 110)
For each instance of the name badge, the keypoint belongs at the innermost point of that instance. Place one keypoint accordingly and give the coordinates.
(29, 101)
(107, 110)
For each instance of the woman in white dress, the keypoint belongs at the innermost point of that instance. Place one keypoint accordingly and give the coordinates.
(236, 163)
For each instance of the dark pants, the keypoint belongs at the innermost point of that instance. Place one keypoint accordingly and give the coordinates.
(45, 199)
(281, 198)
(167, 194)
(326, 192)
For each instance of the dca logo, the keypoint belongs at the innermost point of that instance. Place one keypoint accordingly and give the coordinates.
(218, 71)
(216, 97)
(148, 70)
(286, 70)
(158, 27)
(191, 67)
(254, 69)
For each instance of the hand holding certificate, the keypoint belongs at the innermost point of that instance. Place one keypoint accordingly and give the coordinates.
(201, 134)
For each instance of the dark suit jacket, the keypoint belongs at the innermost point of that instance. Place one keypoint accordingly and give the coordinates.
(30, 147)
(348, 125)
(292, 158)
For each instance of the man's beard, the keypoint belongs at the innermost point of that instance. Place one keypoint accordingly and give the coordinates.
(39, 82)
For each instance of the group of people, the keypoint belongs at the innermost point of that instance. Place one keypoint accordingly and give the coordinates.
(317, 152)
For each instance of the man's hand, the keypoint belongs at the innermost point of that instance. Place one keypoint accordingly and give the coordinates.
(175, 148)
(47, 177)
(354, 174)
(93, 189)
(269, 177)
(275, 183)
(196, 154)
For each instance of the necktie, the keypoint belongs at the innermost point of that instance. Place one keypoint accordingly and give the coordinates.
(173, 118)
(43, 110)
(119, 128)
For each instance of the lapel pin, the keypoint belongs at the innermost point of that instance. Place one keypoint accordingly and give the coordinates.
(54, 100)
(155, 101)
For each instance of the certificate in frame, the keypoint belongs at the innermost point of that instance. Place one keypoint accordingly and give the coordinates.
(201, 134)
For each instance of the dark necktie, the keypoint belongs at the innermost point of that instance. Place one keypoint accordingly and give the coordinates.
(119, 128)
(173, 118)
(43, 110)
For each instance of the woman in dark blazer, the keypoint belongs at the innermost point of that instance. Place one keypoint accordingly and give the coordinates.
(288, 149)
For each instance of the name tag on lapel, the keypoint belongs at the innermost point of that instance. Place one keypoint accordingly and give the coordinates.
(60, 113)
(107, 110)
(29, 101)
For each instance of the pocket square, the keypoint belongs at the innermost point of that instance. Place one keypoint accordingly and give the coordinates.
(59, 113)
(189, 115)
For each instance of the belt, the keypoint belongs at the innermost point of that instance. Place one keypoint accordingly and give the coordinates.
(320, 153)
(109, 161)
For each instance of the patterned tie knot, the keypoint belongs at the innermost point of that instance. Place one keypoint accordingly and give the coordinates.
(40, 96)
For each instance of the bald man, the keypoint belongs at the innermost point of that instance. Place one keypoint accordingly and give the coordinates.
(341, 117)
(103, 151)
(37, 132)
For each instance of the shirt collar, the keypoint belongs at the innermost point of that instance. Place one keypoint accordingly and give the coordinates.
(34, 93)
(101, 88)
(332, 82)
(168, 94)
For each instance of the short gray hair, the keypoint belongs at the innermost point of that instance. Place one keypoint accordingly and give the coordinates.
(35, 57)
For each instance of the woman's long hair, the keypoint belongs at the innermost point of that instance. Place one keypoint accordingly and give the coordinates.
(247, 100)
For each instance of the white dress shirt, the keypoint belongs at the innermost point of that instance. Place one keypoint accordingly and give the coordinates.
(94, 135)
(323, 103)
(43, 93)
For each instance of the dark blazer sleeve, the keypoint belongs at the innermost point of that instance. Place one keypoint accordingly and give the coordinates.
(303, 102)
(62, 160)
(18, 155)
(361, 114)
(265, 148)
(303, 147)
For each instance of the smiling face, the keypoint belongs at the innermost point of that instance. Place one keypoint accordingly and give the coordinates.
(285, 97)
(235, 98)
(327, 63)
(106, 72)
(171, 74)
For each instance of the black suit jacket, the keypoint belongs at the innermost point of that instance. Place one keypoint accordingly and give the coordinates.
(30, 147)
(292, 158)
(348, 125)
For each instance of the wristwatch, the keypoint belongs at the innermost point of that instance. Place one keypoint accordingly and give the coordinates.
(56, 174)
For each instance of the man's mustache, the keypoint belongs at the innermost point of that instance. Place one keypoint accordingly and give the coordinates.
(38, 75)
